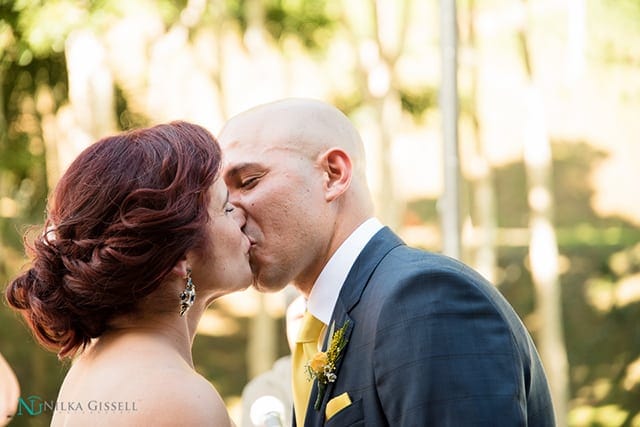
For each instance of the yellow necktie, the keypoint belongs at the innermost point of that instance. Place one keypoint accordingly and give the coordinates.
(306, 348)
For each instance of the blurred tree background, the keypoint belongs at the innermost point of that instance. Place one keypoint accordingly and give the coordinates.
(549, 141)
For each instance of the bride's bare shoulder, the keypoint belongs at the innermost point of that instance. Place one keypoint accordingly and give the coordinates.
(179, 399)
(158, 394)
(138, 386)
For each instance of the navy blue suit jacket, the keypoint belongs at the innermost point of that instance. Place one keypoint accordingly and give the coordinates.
(431, 343)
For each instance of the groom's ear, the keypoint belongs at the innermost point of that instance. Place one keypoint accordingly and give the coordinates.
(338, 169)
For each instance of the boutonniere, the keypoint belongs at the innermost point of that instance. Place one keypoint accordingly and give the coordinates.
(322, 367)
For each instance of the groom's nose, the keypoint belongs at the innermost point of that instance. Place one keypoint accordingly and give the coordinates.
(239, 215)
(234, 196)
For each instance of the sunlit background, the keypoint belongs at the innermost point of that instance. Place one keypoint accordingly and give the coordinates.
(548, 148)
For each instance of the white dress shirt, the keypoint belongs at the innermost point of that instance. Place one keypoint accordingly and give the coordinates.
(326, 289)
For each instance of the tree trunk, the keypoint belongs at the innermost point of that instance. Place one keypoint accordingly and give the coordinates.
(390, 26)
(450, 200)
(543, 247)
(91, 113)
(577, 39)
(484, 200)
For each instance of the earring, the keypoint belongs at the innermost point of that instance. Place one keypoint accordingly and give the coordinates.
(188, 296)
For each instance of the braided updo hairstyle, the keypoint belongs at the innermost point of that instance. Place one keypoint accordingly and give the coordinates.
(125, 212)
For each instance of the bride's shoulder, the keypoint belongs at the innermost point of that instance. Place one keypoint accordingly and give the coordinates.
(184, 399)
(150, 386)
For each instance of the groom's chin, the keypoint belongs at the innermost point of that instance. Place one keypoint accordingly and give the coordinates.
(263, 287)
(260, 287)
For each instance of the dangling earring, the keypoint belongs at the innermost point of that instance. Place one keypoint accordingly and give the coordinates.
(188, 296)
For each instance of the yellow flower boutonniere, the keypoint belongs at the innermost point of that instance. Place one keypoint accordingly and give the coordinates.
(322, 366)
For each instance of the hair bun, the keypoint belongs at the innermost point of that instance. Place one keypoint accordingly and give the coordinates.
(53, 310)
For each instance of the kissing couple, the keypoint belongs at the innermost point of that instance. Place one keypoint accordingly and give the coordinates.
(146, 228)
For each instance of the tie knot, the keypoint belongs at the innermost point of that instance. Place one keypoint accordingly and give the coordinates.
(310, 329)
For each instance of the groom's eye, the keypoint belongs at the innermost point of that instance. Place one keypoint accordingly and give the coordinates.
(249, 182)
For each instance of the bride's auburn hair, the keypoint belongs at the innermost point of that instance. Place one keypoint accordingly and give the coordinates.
(124, 213)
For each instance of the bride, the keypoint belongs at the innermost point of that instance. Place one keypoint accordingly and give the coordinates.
(139, 239)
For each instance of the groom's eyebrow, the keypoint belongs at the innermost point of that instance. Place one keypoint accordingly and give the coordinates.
(238, 169)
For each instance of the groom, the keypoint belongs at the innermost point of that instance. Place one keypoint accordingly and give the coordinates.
(410, 338)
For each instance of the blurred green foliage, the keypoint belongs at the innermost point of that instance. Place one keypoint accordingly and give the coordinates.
(307, 21)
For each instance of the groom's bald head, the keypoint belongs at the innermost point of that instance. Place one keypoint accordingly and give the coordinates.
(304, 125)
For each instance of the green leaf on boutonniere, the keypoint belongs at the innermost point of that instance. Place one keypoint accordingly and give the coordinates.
(322, 365)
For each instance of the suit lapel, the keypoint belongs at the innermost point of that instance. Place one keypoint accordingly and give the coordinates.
(358, 278)
(379, 245)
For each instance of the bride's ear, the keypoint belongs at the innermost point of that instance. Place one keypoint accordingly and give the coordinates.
(181, 267)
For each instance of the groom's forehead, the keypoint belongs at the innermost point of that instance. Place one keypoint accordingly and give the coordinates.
(238, 163)
(265, 150)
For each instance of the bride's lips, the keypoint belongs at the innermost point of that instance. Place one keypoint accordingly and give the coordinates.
(247, 244)
(252, 244)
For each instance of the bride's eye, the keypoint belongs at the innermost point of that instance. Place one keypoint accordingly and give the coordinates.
(229, 208)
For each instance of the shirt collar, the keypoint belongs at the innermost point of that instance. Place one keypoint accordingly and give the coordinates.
(326, 289)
